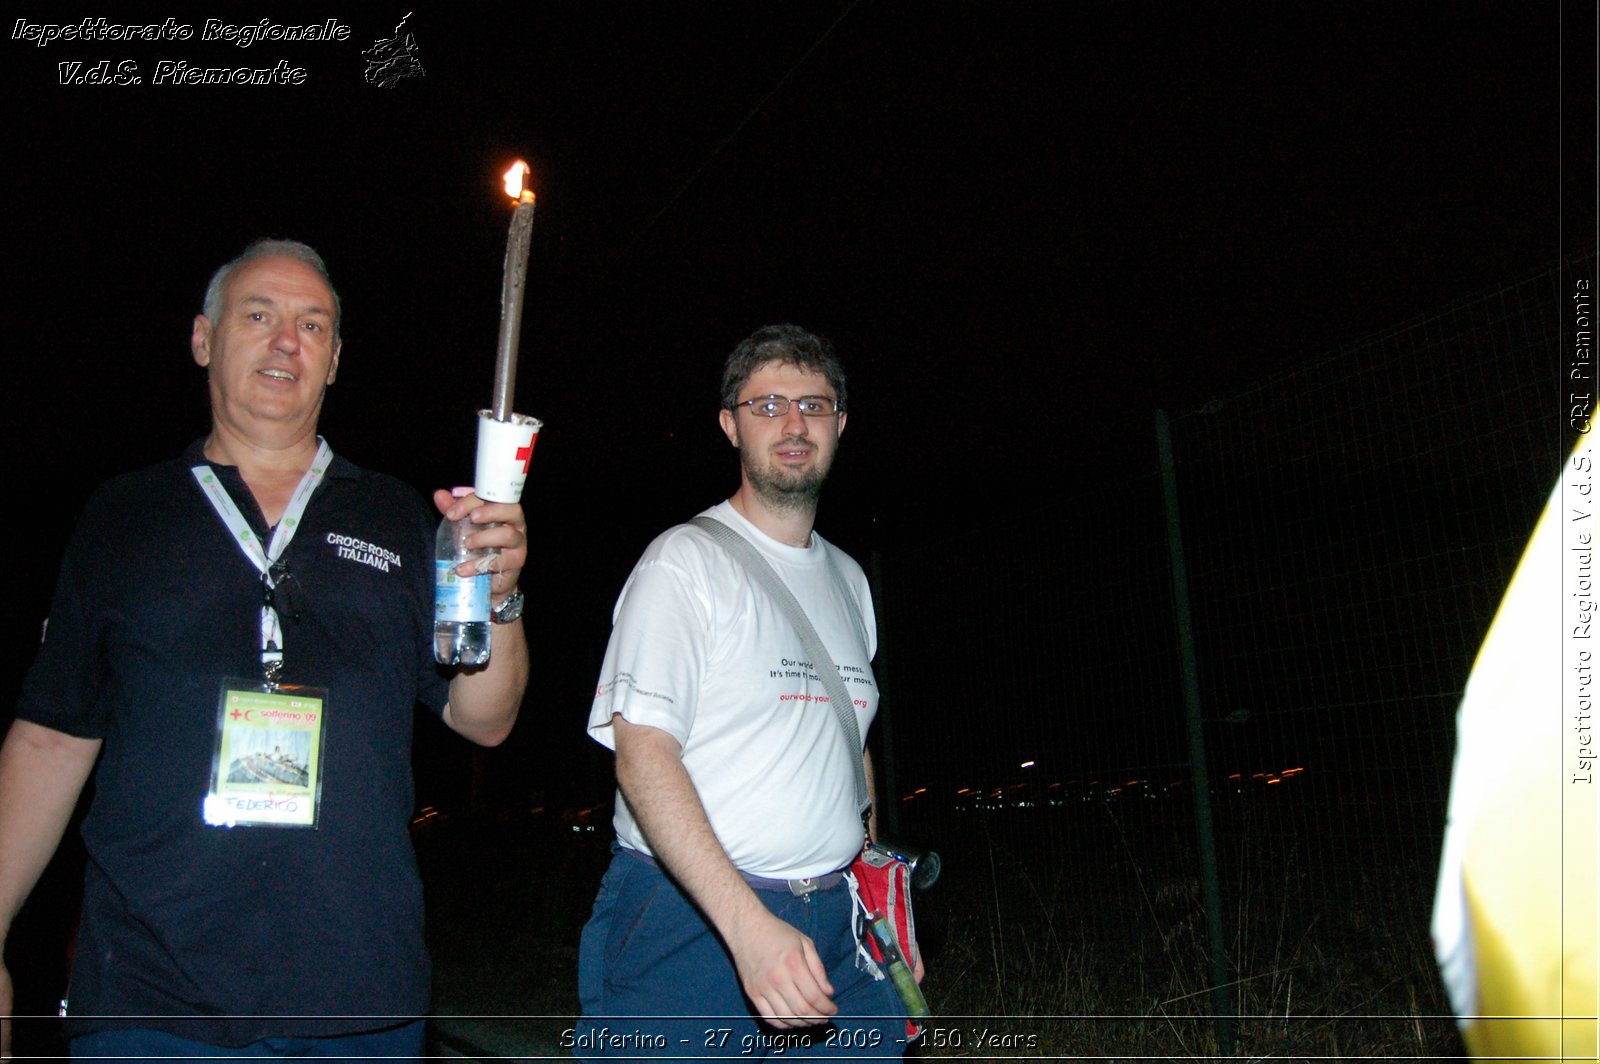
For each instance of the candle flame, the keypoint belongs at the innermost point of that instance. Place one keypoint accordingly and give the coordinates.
(516, 179)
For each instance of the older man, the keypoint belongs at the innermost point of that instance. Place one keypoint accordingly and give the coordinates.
(724, 924)
(239, 899)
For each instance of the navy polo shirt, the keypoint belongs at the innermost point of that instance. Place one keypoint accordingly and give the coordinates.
(156, 605)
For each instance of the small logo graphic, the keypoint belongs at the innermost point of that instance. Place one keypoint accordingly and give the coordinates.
(391, 59)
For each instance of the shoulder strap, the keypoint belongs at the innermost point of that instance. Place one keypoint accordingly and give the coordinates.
(742, 550)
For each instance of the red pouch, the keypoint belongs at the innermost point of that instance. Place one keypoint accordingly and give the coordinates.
(883, 890)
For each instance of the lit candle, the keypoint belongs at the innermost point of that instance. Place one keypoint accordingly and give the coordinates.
(511, 286)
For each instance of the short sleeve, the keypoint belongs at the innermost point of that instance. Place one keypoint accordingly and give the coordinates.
(657, 656)
(62, 689)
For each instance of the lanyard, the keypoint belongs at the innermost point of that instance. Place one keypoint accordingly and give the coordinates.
(266, 561)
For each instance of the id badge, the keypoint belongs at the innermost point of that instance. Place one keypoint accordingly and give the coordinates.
(266, 770)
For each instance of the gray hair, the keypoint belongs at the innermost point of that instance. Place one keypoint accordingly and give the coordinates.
(263, 249)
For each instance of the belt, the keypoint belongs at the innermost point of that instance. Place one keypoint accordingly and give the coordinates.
(797, 887)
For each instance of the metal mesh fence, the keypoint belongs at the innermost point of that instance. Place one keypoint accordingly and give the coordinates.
(1348, 527)
(1351, 527)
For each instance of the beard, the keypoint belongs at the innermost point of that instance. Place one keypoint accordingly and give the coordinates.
(787, 490)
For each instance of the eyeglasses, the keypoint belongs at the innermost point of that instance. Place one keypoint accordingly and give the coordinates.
(281, 590)
(778, 405)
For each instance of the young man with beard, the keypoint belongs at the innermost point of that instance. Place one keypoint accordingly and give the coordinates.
(724, 924)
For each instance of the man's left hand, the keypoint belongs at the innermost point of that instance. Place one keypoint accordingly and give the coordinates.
(503, 526)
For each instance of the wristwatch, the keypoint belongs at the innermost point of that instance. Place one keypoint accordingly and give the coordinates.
(510, 608)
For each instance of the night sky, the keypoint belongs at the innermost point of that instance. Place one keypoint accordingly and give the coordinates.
(1025, 225)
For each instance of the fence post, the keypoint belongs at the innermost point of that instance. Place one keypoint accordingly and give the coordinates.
(1222, 1012)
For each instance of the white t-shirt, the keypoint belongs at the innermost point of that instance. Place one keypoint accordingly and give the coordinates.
(700, 651)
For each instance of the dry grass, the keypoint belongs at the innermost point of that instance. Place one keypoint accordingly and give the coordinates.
(1103, 954)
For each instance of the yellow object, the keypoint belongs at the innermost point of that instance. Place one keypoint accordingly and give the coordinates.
(1514, 918)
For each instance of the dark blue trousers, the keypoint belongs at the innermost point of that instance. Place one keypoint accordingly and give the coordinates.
(655, 981)
(141, 1044)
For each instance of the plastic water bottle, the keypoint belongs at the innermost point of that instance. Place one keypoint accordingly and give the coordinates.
(460, 603)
